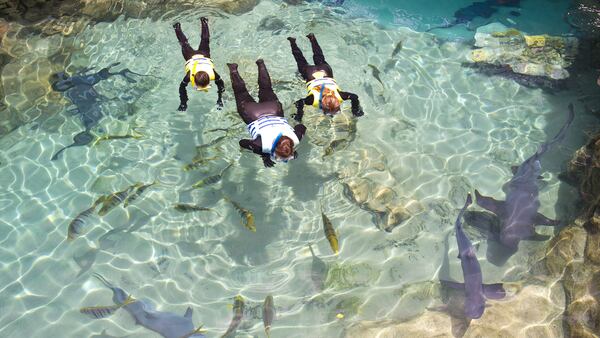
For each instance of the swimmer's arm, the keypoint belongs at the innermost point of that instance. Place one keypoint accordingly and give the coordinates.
(356, 109)
(300, 130)
(220, 89)
(256, 147)
(183, 97)
(300, 107)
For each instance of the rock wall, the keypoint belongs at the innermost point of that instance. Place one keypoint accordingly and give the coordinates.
(574, 253)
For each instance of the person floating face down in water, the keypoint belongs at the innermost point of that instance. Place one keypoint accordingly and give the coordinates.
(272, 137)
(199, 68)
(323, 91)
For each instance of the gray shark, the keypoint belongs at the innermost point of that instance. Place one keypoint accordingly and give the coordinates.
(519, 213)
(167, 324)
(475, 291)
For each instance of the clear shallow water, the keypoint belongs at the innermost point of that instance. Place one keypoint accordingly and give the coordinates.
(433, 131)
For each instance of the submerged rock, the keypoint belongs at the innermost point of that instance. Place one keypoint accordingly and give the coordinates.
(532, 55)
(512, 317)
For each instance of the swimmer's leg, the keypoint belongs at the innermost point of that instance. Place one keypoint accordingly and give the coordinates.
(318, 56)
(240, 92)
(265, 88)
(186, 49)
(299, 57)
(204, 47)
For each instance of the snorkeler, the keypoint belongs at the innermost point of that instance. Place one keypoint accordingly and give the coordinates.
(272, 137)
(199, 68)
(323, 91)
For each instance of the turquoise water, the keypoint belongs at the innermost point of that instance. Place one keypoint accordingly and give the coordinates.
(535, 16)
(432, 131)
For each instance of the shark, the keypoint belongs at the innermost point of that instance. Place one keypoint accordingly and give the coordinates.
(519, 214)
(167, 324)
(479, 9)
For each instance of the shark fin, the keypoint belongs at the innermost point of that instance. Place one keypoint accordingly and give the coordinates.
(488, 203)
(494, 291)
(188, 313)
(543, 220)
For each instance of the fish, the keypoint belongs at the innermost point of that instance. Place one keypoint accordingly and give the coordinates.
(375, 71)
(318, 271)
(519, 212)
(333, 145)
(167, 324)
(398, 48)
(113, 200)
(133, 135)
(139, 190)
(238, 314)
(483, 9)
(246, 214)
(330, 233)
(190, 208)
(211, 179)
(196, 163)
(105, 311)
(78, 223)
(79, 140)
(475, 291)
(268, 314)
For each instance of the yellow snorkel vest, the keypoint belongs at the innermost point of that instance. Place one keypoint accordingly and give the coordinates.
(199, 63)
(317, 86)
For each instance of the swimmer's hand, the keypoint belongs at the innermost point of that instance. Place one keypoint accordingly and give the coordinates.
(299, 111)
(182, 107)
(267, 161)
(359, 112)
(177, 25)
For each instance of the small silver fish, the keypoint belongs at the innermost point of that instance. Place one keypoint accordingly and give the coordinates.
(238, 314)
(268, 314)
(376, 73)
(211, 179)
(398, 48)
(105, 311)
(78, 223)
(140, 188)
(113, 200)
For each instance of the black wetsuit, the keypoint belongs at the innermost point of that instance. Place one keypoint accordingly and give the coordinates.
(250, 111)
(307, 72)
(188, 52)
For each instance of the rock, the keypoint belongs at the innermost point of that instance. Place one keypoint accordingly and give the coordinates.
(533, 55)
(512, 317)
(563, 249)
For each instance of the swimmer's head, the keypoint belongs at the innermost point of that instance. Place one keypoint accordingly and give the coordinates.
(202, 79)
(284, 148)
(330, 103)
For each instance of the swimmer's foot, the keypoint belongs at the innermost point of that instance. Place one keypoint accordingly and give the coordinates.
(291, 39)
(310, 36)
(232, 67)
(177, 25)
(204, 20)
(260, 62)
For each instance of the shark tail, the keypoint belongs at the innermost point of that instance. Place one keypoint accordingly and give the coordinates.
(561, 133)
